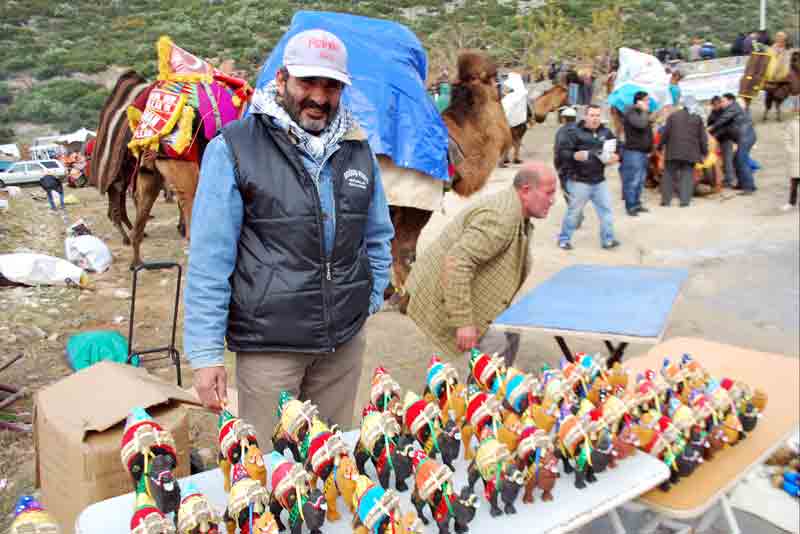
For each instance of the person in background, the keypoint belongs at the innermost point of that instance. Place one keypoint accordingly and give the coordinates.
(293, 252)
(674, 86)
(686, 142)
(725, 144)
(471, 272)
(587, 85)
(567, 118)
(792, 137)
(583, 148)
(573, 86)
(764, 38)
(51, 186)
(736, 124)
(694, 50)
(737, 47)
(708, 51)
(635, 158)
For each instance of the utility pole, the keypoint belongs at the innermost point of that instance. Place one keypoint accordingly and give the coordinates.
(763, 13)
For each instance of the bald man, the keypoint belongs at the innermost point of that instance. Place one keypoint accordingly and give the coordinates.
(472, 271)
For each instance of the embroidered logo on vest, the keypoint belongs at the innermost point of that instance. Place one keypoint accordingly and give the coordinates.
(356, 178)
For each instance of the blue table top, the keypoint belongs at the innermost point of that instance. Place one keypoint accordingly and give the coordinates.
(629, 301)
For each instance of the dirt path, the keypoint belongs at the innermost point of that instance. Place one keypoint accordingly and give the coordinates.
(742, 253)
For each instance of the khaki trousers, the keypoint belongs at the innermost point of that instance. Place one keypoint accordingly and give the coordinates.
(328, 380)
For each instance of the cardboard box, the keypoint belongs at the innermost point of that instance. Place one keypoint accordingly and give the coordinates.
(78, 425)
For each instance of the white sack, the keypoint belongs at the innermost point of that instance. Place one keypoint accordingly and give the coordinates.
(40, 269)
(515, 104)
(88, 252)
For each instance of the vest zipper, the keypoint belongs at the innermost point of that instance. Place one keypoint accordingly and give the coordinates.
(325, 254)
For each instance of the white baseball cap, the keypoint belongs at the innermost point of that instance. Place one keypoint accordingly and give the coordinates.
(315, 53)
(568, 112)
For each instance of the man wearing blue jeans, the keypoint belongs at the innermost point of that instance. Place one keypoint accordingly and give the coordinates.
(583, 147)
(51, 185)
(735, 123)
(638, 144)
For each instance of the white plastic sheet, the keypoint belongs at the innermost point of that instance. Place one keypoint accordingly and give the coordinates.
(640, 72)
(515, 103)
(41, 269)
(88, 252)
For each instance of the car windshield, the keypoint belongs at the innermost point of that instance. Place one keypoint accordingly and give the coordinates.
(49, 164)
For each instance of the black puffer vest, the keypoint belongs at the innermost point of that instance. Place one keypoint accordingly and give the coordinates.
(287, 295)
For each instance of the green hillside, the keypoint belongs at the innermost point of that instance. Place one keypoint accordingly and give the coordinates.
(48, 43)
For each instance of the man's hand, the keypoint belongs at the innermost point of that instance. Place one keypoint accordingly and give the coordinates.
(211, 384)
(581, 155)
(466, 337)
(613, 159)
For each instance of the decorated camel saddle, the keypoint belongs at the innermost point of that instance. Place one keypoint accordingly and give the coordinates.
(433, 487)
(189, 91)
(238, 444)
(384, 393)
(520, 390)
(442, 386)
(197, 515)
(423, 421)
(327, 459)
(148, 519)
(486, 370)
(483, 417)
(30, 517)
(148, 454)
(248, 503)
(295, 418)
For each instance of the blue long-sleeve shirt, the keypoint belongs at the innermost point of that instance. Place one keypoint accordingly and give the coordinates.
(217, 216)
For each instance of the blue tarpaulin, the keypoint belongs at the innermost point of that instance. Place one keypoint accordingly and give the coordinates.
(388, 66)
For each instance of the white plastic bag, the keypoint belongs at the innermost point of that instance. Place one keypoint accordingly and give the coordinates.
(515, 104)
(40, 269)
(88, 252)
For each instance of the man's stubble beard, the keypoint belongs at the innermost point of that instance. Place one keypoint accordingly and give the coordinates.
(293, 109)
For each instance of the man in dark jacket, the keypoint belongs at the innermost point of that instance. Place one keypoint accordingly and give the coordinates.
(686, 143)
(51, 185)
(725, 143)
(584, 149)
(638, 144)
(567, 118)
(735, 123)
(292, 253)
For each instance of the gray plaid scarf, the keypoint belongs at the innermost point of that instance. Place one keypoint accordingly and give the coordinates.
(265, 102)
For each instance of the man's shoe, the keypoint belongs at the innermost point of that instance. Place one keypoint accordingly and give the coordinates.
(565, 245)
(642, 209)
(633, 213)
(748, 192)
(611, 244)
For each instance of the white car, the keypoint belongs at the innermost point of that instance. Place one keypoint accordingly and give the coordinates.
(23, 172)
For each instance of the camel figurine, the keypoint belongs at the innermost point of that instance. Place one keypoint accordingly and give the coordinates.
(442, 386)
(294, 422)
(575, 446)
(433, 488)
(146, 519)
(148, 453)
(248, 506)
(625, 444)
(328, 459)
(380, 441)
(290, 491)
(238, 444)
(486, 371)
(535, 457)
(519, 390)
(378, 511)
(422, 420)
(30, 517)
(482, 419)
(493, 464)
(196, 514)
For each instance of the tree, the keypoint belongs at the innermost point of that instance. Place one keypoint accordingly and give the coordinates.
(547, 34)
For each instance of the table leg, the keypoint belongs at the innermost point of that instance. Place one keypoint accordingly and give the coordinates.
(564, 348)
(616, 522)
(709, 518)
(730, 518)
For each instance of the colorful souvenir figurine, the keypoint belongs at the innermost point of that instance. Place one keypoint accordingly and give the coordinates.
(327, 459)
(381, 442)
(384, 393)
(148, 454)
(433, 487)
(378, 511)
(742, 396)
(537, 460)
(519, 390)
(238, 444)
(575, 445)
(148, 519)
(30, 517)
(291, 492)
(295, 419)
(617, 376)
(625, 444)
(494, 465)
(248, 504)
(442, 385)
(422, 420)
(196, 515)
(486, 371)
(483, 417)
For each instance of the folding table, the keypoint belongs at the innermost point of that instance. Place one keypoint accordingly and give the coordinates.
(615, 304)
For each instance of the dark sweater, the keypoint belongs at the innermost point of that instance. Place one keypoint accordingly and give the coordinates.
(638, 134)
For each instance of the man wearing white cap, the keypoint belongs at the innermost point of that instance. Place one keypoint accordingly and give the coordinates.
(292, 253)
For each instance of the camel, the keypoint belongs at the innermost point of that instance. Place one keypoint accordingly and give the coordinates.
(550, 100)
(754, 80)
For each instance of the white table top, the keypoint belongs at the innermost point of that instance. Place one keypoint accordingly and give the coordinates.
(570, 509)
